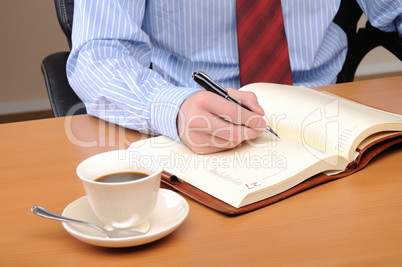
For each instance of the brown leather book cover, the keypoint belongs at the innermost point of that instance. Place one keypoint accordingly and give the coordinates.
(172, 182)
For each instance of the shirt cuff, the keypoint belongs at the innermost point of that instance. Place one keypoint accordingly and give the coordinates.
(165, 107)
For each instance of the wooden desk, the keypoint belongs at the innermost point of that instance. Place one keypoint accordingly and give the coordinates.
(355, 221)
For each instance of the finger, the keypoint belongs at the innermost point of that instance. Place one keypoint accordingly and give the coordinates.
(236, 114)
(216, 126)
(206, 101)
(232, 132)
(203, 143)
(248, 99)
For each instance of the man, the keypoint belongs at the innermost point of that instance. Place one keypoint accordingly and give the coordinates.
(115, 42)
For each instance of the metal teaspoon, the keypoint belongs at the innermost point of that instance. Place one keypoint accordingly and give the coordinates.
(114, 233)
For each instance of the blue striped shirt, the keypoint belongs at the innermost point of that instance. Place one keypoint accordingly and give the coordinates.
(115, 41)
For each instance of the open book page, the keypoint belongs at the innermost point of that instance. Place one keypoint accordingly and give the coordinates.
(320, 120)
(373, 138)
(249, 173)
(318, 132)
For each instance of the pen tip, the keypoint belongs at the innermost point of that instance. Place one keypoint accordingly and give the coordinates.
(275, 134)
(272, 131)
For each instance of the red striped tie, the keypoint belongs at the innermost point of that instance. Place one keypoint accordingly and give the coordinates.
(263, 49)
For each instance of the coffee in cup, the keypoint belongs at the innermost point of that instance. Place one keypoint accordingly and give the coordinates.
(121, 190)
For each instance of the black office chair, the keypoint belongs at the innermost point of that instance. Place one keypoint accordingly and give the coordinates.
(65, 102)
(63, 99)
(362, 42)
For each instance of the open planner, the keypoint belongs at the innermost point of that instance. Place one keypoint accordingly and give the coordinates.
(322, 137)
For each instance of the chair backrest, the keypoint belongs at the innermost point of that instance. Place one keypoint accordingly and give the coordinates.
(348, 16)
(64, 11)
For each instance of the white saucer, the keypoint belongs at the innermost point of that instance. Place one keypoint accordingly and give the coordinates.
(170, 211)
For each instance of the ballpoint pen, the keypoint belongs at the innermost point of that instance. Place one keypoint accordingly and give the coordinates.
(210, 85)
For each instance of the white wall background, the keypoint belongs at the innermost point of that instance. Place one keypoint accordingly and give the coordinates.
(30, 31)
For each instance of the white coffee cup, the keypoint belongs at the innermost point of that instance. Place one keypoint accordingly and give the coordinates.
(122, 205)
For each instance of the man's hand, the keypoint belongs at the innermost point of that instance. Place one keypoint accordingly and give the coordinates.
(208, 123)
